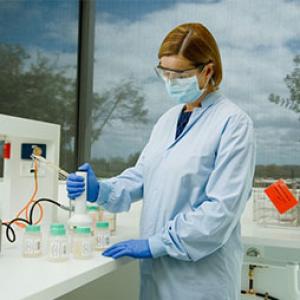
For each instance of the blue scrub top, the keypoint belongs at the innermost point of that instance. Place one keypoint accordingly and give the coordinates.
(182, 121)
(194, 190)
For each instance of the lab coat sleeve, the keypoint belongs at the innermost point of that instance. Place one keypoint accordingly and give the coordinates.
(196, 234)
(117, 193)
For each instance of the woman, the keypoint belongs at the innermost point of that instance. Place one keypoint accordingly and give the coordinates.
(194, 175)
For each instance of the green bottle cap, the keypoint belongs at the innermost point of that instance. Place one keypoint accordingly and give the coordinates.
(57, 229)
(93, 208)
(84, 230)
(33, 228)
(102, 225)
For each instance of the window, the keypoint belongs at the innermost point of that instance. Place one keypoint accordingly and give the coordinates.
(260, 53)
(38, 66)
(128, 97)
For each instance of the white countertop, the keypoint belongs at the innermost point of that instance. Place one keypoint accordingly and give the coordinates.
(253, 233)
(39, 279)
(271, 236)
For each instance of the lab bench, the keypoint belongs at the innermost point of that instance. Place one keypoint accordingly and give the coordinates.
(274, 253)
(40, 279)
(284, 243)
(37, 278)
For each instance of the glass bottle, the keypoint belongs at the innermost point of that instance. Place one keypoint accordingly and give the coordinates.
(111, 218)
(82, 245)
(102, 235)
(58, 248)
(32, 241)
(93, 211)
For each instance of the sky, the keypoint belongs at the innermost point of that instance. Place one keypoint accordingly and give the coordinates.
(257, 40)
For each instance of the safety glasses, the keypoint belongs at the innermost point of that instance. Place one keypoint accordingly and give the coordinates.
(166, 73)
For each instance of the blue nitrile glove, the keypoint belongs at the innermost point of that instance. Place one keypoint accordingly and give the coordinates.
(132, 248)
(75, 184)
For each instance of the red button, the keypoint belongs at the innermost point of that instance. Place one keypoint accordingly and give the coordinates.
(6, 150)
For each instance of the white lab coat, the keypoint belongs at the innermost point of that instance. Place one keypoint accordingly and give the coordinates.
(194, 191)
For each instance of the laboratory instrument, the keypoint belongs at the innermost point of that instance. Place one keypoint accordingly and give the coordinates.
(80, 209)
(31, 156)
(62, 173)
(80, 216)
(23, 138)
(272, 253)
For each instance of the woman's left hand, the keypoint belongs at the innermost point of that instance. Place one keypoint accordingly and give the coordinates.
(132, 248)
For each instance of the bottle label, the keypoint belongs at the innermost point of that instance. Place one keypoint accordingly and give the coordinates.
(86, 248)
(37, 247)
(58, 249)
(32, 246)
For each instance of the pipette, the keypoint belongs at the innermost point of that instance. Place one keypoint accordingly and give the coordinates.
(80, 217)
(50, 164)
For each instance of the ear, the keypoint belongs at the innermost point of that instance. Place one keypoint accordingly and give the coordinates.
(209, 69)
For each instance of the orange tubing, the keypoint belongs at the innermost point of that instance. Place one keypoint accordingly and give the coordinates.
(32, 199)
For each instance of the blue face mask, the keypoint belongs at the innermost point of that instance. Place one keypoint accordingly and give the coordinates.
(184, 90)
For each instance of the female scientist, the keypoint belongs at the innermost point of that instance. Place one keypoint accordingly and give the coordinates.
(194, 176)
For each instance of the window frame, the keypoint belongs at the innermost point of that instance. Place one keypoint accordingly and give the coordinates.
(85, 73)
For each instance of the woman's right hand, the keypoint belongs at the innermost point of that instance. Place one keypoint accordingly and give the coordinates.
(76, 186)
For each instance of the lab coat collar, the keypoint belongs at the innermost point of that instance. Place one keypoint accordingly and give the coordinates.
(208, 101)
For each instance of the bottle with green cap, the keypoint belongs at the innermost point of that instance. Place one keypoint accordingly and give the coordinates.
(58, 246)
(109, 217)
(102, 235)
(82, 245)
(93, 211)
(32, 241)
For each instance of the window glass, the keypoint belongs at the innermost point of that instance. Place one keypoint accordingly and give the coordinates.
(38, 50)
(259, 43)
